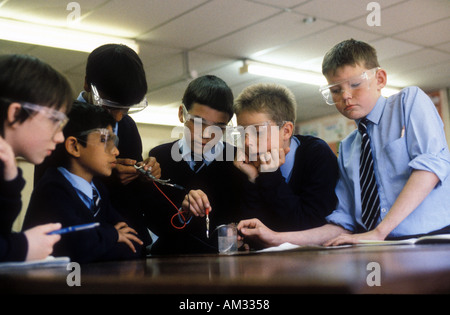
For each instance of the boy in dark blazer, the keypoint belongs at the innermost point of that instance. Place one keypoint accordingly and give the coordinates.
(290, 178)
(202, 163)
(34, 99)
(70, 191)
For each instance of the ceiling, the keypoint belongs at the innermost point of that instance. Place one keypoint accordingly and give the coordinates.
(180, 39)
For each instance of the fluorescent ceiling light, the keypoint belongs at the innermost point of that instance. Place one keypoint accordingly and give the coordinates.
(284, 73)
(158, 115)
(293, 74)
(64, 38)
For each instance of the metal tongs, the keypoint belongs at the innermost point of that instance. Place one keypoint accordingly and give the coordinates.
(160, 181)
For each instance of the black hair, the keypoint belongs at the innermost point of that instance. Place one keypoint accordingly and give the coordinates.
(117, 71)
(211, 91)
(82, 117)
(25, 78)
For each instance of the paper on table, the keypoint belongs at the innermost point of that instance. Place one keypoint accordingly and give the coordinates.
(50, 261)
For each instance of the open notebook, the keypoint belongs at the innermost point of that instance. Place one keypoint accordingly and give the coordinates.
(427, 239)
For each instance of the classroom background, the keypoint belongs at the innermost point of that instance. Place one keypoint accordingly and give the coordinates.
(243, 42)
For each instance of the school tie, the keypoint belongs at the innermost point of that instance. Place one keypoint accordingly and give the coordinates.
(370, 201)
(197, 164)
(95, 206)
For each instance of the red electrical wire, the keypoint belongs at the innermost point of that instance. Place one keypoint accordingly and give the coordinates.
(176, 208)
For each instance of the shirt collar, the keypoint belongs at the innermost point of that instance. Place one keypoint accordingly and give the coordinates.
(77, 182)
(209, 156)
(286, 168)
(377, 111)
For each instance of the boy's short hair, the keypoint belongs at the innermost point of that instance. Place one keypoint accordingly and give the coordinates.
(349, 53)
(117, 71)
(25, 78)
(211, 91)
(82, 117)
(275, 100)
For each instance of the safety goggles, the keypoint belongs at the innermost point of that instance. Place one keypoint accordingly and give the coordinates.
(260, 130)
(57, 118)
(332, 93)
(107, 138)
(110, 105)
(203, 122)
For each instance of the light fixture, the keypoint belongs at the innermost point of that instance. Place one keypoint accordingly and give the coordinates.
(64, 38)
(165, 115)
(281, 72)
(293, 74)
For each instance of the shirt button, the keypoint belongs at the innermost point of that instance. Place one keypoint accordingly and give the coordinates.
(383, 210)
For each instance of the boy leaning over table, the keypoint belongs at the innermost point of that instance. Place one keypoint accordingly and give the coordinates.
(411, 160)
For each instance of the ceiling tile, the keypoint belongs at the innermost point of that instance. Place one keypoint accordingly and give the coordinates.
(429, 35)
(208, 23)
(339, 11)
(308, 52)
(406, 15)
(388, 48)
(278, 31)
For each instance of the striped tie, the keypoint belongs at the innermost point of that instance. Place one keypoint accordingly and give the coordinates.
(95, 207)
(370, 202)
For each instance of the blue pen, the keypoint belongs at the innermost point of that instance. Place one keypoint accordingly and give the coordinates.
(75, 228)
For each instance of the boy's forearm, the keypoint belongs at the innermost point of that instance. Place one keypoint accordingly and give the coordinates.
(417, 188)
(315, 236)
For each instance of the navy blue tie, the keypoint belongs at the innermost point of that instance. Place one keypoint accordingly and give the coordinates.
(95, 207)
(370, 201)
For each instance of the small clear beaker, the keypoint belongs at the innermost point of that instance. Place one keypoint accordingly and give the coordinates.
(227, 235)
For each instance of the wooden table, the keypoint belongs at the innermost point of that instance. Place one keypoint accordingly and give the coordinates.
(401, 269)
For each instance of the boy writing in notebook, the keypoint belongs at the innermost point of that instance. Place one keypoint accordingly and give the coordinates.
(404, 182)
(71, 192)
(291, 178)
(33, 101)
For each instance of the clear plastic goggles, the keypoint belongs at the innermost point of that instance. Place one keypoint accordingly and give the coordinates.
(203, 122)
(107, 138)
(332, 93)
(57, 118)
(258, 131)
(110, 105)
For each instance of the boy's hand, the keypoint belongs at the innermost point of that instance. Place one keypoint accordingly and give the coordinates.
(9, 160)
(151, 164)
(40, 244)
(126, 235)
(198, 202)
(267, 162)
(272, 160)
(256, 233)
(243, 163)
(348, 238)
(125, 171)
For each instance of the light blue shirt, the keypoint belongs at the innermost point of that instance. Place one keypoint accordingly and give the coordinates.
(286, 168)
(82, 186)
(208, 156)
(406, 134)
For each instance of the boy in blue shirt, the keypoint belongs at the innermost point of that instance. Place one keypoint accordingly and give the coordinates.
(71, 192)
(411, 160)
